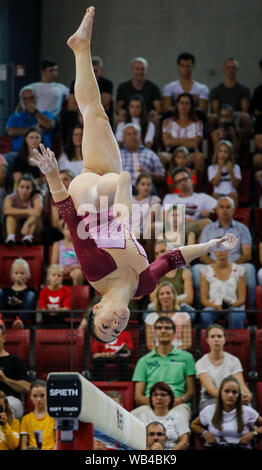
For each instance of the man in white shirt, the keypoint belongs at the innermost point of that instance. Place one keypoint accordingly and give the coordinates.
(185, 84)
(50, 94)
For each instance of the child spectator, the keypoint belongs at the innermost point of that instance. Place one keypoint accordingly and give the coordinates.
(63, 253)
(72, 158)
(179, 159)
(146, 202)
(18, 296)
(9, 426)
(37, 427)
(224, 174)
(23, 209)
(54, 297)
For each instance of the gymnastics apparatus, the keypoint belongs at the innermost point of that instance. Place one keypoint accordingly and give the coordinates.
(112, 260)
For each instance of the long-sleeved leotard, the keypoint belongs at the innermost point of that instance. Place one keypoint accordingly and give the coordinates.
(90, 239)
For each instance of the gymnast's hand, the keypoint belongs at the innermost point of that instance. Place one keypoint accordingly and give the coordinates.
(45, 161)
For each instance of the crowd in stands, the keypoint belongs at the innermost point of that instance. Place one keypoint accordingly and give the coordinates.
(185, 145)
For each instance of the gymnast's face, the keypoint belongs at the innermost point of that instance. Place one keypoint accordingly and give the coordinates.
(109, 322)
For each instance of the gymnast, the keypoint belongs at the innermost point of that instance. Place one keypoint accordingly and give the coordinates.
(117, 266)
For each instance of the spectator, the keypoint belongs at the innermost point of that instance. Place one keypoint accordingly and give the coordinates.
(225, 128)
(166, 363)
(18, 296)
(72, 158)
(259, 273)
(240, 254)
(22, 162)
(37, 427)
(63, 253)
(9, 426)
(139, 85)
(116, 352)
(51, 95)
(137, 113)
(105, 88)
(223, 291)
(224, 174)
(155, 436)
(198, 206)
(173, 232)
(137, 159)
(184, 129)
(231, 92)
(185, 84)
(13, 378)
(23, 209)
(161, 410)
(257, 157)
(228, 423)
(179, 159)
(256, 105)
(30, 116)
(167, 304)
(54, 297)
(213, 367)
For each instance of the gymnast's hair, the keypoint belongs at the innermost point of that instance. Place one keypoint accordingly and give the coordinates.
(90, 316)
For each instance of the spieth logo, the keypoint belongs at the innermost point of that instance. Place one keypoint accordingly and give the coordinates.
(120, 420)
(66, 392)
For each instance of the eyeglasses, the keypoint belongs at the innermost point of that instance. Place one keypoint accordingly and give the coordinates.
(159, 434)
(161, 394)
(163, 328)
(182, 180)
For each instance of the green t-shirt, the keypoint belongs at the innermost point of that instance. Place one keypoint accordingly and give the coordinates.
(171, 369)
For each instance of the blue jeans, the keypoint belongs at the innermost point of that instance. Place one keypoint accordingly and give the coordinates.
(250, 273)
(29, 303)
(235, 318)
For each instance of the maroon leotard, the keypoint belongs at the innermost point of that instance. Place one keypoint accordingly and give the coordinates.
(97, 263)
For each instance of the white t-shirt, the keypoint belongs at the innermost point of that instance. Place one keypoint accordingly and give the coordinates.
(194, 204)
(219, 290)
(50, 96)
(189, 132)
(65, 164)
(175, 424)
(225, 185)
(179, 318)
(229, 425)
(150, 133)
(230, 366)
(198, 90)
(141, 213)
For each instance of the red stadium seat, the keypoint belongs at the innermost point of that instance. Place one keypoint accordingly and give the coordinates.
(5, 144)
(258, 354)
(244, 188)
(133, 328)
(237, 343)
(80, 297)
(58, 351)
(34, 255)
(126, 389)
(259, 306)
(17, 342)
(242, 214)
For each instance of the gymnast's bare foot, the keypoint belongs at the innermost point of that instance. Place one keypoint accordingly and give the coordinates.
(82, 36)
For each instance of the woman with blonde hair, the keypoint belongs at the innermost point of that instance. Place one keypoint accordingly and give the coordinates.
(9, 426)
(224, 174)
(167, 304)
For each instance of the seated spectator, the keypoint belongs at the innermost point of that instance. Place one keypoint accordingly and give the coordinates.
(137, 159)
(256, 104)
(223, 291)
(22, 162)
(57, 222)
(259, 273)
(180, 278)
(30, 116)
(72, 158)
(228, 421)
(54, 297)
(13, 378)
(167, 304)
(231, 92)
(155, 436)
(185, 84)
(139, 85)
(51, 95)
(169, 364)
(37, 427)
(116, 352)
(137, 113)
(63, 253)
(224, 174)
(179, 159)
(161, 410)
(173, 233)
(184, 129)
(257, 157)
(23, 209)
(9, 426)
(240, 254)
(18, 296)
(213, 367)
(198, 206)
(225, 128)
